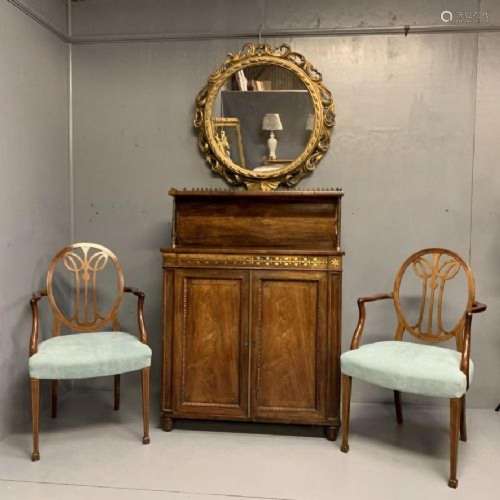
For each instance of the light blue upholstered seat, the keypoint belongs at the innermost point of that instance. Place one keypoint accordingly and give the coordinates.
(83, 355)
(409, 367)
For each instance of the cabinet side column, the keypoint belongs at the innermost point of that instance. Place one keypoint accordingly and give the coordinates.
(167, 354)
(334, 348)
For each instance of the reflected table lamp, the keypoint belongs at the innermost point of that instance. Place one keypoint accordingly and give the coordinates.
(310, 122)
(272, 122)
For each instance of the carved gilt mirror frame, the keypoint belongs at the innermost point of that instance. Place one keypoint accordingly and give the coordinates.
(324, 113)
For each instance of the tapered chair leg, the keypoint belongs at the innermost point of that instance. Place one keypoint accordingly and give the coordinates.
(117, 392)
(145, 404)
(463, 420)
(397, 405)
(455, 412)
(54, 389)
(346, 407)
(35, 417)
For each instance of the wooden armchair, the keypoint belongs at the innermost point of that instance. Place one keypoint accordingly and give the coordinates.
(415, 367)
(93, 351)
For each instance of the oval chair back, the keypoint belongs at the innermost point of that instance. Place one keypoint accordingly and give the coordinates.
(79, 307)
(434, 269)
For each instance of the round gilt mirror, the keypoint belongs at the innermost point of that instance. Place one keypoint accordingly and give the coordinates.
(264, 118)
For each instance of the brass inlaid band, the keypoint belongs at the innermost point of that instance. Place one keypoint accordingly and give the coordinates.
(261, 261)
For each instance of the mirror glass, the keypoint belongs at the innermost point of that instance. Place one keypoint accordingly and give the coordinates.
(263, 117)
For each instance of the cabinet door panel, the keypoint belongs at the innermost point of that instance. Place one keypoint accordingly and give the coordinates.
(289, 345)
(211, 342)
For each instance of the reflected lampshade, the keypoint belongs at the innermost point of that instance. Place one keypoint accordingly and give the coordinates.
(272, 121)
(310, 121)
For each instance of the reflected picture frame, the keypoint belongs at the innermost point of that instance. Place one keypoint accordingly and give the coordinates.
(231, 127)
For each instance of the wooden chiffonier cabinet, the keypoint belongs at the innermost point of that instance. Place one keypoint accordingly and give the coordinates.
(252, 308)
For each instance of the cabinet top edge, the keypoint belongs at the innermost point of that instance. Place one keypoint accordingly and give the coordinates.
(251, 251)
(313, 192)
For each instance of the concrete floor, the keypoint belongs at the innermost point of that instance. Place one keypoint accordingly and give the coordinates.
(92, 452)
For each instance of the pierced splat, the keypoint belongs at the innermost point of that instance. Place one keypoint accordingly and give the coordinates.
(84, 261)
(434, 268)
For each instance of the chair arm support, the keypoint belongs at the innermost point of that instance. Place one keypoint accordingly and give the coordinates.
(477, 307)
(35, 324)
(140, 312)
(358, 332)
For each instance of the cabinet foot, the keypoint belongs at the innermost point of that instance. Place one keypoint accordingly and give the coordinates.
(331, 433)
(167, 423)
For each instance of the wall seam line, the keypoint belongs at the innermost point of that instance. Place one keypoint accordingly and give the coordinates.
(70, 130)
(474, 124)
(294, 33)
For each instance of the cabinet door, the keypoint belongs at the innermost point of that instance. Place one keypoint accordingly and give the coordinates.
(211, 343)
(289, 345)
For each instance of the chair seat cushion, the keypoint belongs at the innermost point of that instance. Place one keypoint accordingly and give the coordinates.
(84, 355)
(409, 367)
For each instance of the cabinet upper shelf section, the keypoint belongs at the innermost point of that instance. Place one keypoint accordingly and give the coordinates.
(306, 220)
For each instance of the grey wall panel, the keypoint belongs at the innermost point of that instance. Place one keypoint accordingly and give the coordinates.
(96, 17)
(486, 220)
(34, 201)
(491, 8)
(52, 11)
(158, 16)
(402, 150)
(363, 13)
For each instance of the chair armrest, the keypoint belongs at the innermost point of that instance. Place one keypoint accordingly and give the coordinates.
(358, 332)
(134, 291)
(373, 298)
(140, 312)
(35, 325)
(477, 307)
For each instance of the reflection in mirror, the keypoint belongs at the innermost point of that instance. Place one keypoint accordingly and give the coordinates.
(263, 117)
(228, 136)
